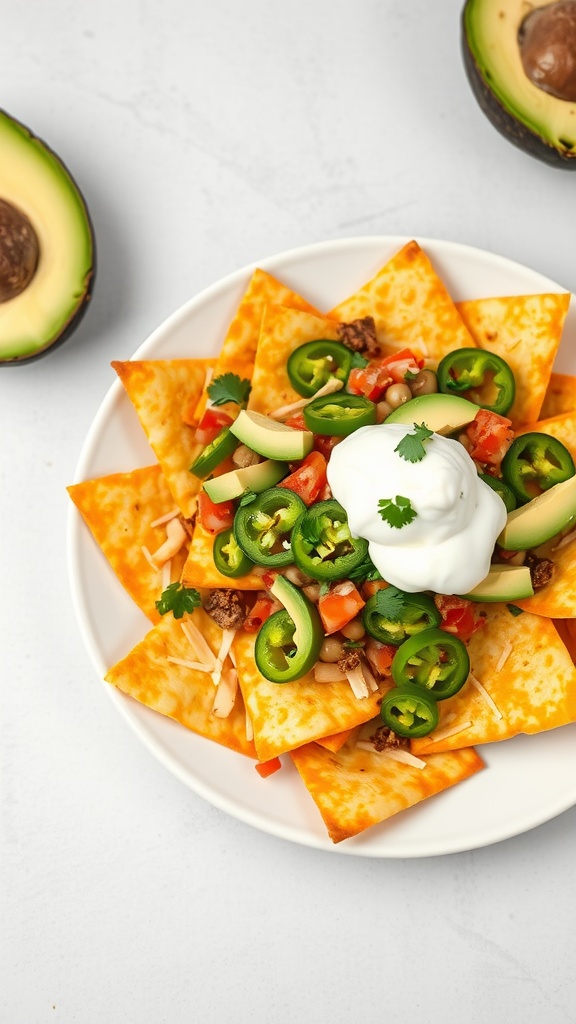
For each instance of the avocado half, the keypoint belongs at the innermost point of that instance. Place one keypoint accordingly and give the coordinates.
(47, 250)
(541, 124)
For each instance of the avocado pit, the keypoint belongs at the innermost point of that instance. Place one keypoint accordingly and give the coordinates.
(19, 251)
(547, 41)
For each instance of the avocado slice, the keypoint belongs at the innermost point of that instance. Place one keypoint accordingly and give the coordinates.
(540, 519)
(47, 252)
(441, 413)
(503, 583)
(506, 47)
(251, 478)
(270, 438)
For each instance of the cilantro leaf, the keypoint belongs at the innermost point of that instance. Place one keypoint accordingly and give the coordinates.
(397, 512)
(514, 610)
(411, 447)
(353, 645)
(247, 498)
(390, 603)
(364, 572)
(178, 599)
(229, 387)
(358, 361)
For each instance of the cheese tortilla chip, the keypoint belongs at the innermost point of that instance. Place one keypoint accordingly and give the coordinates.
(334, 743)
(283, 330)
(525, 330)
(200, 571)
(560, 396)
(287, 715)
(239, 348)
(522, 664)
(161, 392)
(355, 788)
(181, 693)
(119, 510)
(410, 305)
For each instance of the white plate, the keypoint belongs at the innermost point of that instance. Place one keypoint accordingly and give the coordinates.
(528, 780)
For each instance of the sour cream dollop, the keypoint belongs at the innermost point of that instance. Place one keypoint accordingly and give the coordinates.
(448, 545)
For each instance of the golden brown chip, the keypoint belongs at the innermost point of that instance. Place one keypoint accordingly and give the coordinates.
(525, 331)
(119, 510)
(355, 788)
(283, 330)
(528, 675)
(334, 743)
(287, 715)
(161, 391)
(410, 305)
(179, 692)
(560, 396)
(200, 571)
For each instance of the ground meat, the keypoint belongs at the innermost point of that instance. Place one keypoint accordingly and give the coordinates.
(541, 570)
(360, 336)
(349, 659)
(226, 607)
(385, 737)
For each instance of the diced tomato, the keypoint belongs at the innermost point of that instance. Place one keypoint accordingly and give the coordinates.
(490, 436)
(261, 610)
(371, 587)
(309, 479)
(401, 363)
(213, 516)
(324, 443)
(296, 421)
(370, 381)
(266, 768)
(458, 616)
(339, 606)
(211, 424)
(380, 656)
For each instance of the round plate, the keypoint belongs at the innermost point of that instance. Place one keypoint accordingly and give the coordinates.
(528, 780)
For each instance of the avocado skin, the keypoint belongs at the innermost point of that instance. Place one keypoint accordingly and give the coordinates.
(89, 280)
(510, 128)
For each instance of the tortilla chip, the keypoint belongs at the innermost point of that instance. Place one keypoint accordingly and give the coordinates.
(560, 396)
(161, 391)
(410, 305)
(525, 330)
(283, 330)
(176, 691)
(119, 509)
(239, 348)
(287, 715)
(335, 742)
(562, 427)
(355, 788)
(200, 571)
(525, 668)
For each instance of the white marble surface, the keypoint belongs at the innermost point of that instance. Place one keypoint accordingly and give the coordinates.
(207, 135)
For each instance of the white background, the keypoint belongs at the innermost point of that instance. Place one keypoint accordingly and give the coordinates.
(207, 135)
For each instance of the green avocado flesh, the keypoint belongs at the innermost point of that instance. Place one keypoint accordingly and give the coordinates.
(270, 438)
(441, 413)
(532, 119)
(252, 478)
(541, 519)
(34, 182)
(503, 583)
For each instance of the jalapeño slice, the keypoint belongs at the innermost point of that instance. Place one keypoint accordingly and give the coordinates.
(339, 414)
(410, 711)
(214, 453)
(312, 365)
(482, 377)
(535, 462)
(263, 527)
(391, 615)
(228, 556)
(288, 643)
(433, 659)
(508, 497)
(322, 545)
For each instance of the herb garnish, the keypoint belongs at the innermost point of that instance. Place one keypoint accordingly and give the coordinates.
(390, 603)
(411, 447)
(229, 387)
(397, 512)
(365, 572)
(178, 599)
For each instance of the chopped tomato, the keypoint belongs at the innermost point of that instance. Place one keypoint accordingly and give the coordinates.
(339, 606)
(380, 656)
(296, 421)
(401, 363)
(266, 768)
(212, 422)
(458, 616)
(261, 610)
(324, 443)
(370, 381)
(490, 436)
(309, 479)
(213, 516)
(371, 587)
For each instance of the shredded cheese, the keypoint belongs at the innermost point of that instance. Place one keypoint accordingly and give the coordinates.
(370, 680)
(566, 539)
(506, 652)
(402, 756)
(176, 536)
(225, 695)
(225, 644)
(357, 682)
(444, 734)
(166, 574)
(198, 643)
(149, 558)
(328, 388)
(197, 665)
(484, 693)
(166, 518)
